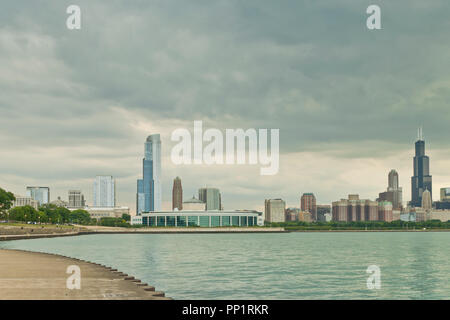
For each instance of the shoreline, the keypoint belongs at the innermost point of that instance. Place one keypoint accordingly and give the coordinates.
(30, 275)
(117, 230)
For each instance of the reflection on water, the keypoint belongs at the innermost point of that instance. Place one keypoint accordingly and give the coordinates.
(270, 266)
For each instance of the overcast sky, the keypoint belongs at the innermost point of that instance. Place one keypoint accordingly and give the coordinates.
(347, 100)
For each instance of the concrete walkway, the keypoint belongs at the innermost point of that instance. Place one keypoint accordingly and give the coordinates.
(40, 276)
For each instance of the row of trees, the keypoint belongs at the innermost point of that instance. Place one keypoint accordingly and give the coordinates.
(371, 225)
(50, 213)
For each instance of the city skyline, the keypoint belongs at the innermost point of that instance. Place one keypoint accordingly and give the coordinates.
(393, 177)
(345, 99)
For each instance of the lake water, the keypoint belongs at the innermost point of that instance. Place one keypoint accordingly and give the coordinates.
(270, 266)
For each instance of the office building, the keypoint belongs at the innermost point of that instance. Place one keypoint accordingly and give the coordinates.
(212, 198)
(177, 194)
(421, 180)
(76, 199)
(308, 203)
(385, 212)
(148, 197)
(40, 194)
(104, 191)
(355, 209)
(393, 193)
(274, 210)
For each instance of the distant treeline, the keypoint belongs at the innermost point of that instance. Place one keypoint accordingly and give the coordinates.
(361, 225)
(50, 213)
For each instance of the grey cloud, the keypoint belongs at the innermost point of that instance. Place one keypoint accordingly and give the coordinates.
(310, 68)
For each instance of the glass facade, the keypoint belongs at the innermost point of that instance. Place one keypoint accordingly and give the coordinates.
(205, 221)
(170, 221)
(226, 221)
(161, 221)
(181, 221)
(148, 196)
(215, 221)
(193, 221)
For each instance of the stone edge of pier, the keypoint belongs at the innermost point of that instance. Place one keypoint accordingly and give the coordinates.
(148, 292)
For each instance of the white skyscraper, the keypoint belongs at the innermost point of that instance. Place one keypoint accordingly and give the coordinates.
(104, 191)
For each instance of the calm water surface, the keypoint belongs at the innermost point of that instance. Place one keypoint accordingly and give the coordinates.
(270, 266)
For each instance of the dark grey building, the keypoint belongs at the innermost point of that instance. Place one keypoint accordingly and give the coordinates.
(421, 180)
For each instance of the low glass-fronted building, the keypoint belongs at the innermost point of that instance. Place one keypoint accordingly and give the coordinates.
(212, 218)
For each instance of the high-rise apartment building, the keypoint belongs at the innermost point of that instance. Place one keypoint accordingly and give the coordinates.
(355, 209)
(177, 194)
(76, 199)
(274, 210)
(385, 211)
(40, 194)
(308, 203)
(394, 192)
(421, 180)
(104, 191)
(212, 198)
(148, 197)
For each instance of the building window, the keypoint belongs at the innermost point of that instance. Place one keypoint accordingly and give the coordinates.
(193, 221)
(181, 221)
(145, 221)
(161, 221)
(243, 221)
(171, 221)
(226, 221)
(204, 221)
(250, 222)
(215, 221)
(235, 221)
(152, 221)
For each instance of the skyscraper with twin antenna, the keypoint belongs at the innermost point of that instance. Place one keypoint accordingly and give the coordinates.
(421, 180)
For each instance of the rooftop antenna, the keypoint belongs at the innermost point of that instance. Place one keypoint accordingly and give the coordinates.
(420, 133)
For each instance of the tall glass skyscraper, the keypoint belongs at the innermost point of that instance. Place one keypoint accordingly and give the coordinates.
(41, 194)
(421, 180)
(148, 197)
(104, 191)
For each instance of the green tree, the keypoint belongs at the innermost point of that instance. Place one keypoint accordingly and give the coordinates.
(55, 214)
(80, 217)
(25, 213)
(6, 202)
(126, 217)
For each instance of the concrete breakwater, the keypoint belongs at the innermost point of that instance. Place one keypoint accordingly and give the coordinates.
(29, 275)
